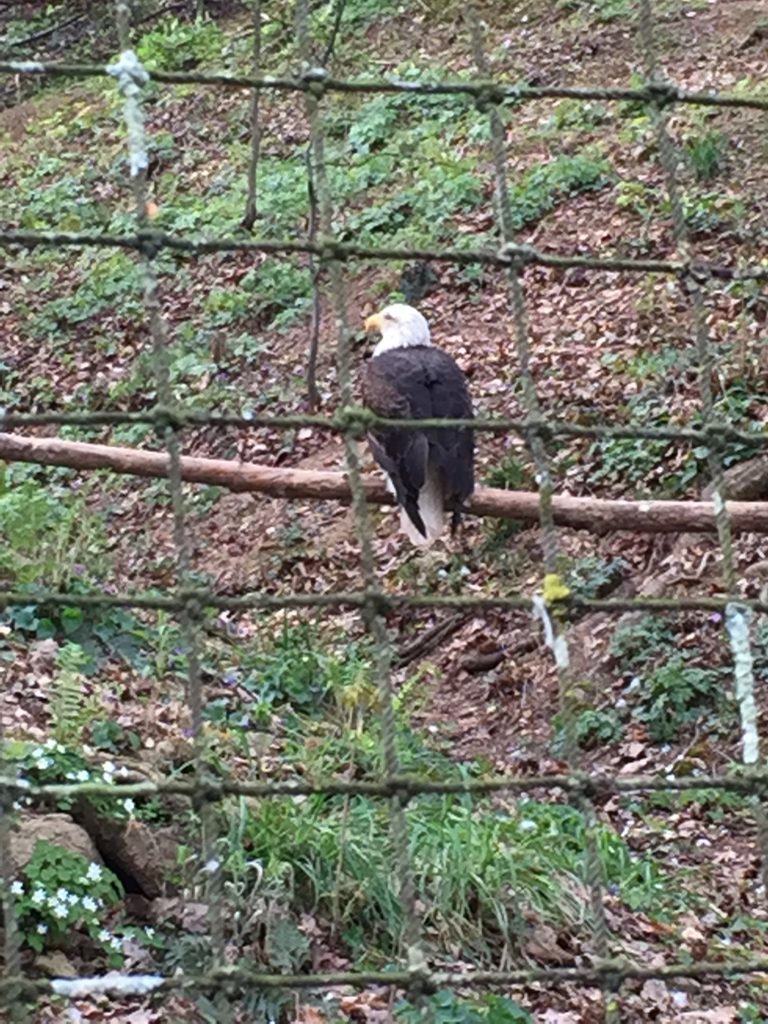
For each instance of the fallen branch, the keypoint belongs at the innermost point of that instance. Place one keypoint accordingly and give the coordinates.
(594, 514)
(430, 639)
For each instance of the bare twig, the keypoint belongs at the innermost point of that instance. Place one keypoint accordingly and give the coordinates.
(329, 46)
(313, 397)
(250, 206)
(44, 32)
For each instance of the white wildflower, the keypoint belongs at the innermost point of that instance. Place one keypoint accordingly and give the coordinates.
(59, 910)
(39, 896)
(83, 775)
(17, 888)
(42, 929)
(104, 936)
(94, 872)
(89, 904)
(129, 805)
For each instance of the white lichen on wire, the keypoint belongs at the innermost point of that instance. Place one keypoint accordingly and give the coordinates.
(26, 67)
(555, 641)
(737, 621)
(131, 76)
(112, 984)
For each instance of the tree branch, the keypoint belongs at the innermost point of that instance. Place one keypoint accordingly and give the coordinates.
(594, 514)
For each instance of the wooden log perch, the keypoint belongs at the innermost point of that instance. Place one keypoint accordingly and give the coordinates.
(595, 514)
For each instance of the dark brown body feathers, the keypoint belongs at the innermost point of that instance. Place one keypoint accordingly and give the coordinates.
(421, 382)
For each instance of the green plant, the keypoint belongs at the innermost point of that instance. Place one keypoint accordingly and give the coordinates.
(598, 728)
(591, 576)
(645, 466)
(542, 188)
(446, 1007)
(355, 14)
(590, 728)
(705, 153)
(672, 691)
(717, 805)
(601, 11)
(106, 734)
(103, 634)
(297, 671)
(55, 763)
(637, 198)
(576, 116)
(752, 1013)
(59, 892)
(45, 531)
(509, 473)
(677, 694)
(709, 212)
(106, 280)
(636, 644)
(656, 364)
(70, 709)
(605, 11)
(626, 460)
(174, 44)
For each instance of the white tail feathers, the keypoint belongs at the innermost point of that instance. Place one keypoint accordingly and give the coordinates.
(432, 510)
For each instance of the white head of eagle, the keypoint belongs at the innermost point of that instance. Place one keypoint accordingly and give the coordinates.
(430, 471)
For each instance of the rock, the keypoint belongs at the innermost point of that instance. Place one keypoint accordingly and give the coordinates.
(56, 964)
(142, 856)
(58, 829)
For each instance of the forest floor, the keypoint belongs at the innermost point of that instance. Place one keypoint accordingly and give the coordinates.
(650, 697)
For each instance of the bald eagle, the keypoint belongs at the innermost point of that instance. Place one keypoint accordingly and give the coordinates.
(430, 471)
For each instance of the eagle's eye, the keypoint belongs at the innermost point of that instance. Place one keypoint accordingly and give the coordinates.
(388, 316)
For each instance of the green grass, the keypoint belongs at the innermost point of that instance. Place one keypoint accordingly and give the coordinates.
(47, 533)
(481, 872)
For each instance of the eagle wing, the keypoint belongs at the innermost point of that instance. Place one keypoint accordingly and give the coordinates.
(421, 383)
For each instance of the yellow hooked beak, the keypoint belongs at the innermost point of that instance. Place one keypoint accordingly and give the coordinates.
(373, 323)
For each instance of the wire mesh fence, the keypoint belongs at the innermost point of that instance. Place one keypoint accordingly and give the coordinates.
(554, 610)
